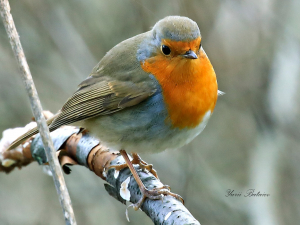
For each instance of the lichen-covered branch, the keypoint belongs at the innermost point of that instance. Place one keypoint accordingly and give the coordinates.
(36, 107)
(78, 147)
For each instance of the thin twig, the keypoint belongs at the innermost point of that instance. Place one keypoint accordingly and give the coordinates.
(60, 185)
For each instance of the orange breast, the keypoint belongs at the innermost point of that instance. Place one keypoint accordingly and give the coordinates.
(189, 87)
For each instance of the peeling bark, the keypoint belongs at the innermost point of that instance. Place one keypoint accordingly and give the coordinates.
(79, 148)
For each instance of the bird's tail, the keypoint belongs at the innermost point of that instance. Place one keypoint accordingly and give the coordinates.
(28, 134)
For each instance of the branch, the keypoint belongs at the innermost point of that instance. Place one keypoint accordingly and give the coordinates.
(58, 178)
(75, 147)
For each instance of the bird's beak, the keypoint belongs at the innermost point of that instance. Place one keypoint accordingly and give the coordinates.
(190, 55)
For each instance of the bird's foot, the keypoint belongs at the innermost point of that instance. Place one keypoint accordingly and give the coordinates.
(136, 159)
(155, 194)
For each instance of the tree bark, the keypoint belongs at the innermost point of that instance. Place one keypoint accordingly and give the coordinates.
(79, 148)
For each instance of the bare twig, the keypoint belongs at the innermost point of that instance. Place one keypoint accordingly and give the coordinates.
(13, 36)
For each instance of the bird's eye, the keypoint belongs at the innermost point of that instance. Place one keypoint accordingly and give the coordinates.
(165, 49)
(200, 46)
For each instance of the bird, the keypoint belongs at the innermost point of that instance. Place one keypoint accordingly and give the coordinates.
(152, 92)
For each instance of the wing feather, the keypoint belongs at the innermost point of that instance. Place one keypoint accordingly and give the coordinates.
(101, 98)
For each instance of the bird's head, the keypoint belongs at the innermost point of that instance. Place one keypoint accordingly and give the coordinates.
(173, 37)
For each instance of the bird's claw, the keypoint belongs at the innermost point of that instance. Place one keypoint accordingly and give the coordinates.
(136, 160)
(156, 194)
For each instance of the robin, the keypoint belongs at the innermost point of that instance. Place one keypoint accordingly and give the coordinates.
(151, 92)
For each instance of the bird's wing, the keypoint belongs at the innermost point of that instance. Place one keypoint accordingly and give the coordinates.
(98, 96)
(117, 82)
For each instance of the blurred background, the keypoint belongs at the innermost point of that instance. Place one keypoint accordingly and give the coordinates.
(251, 142)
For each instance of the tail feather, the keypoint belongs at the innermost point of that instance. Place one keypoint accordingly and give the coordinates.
(28, 134)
